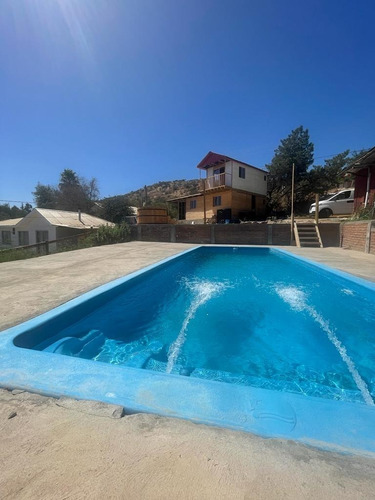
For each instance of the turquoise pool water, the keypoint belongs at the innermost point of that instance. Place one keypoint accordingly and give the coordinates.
(243, 316)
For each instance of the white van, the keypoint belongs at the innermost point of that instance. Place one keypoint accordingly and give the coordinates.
(341, 203)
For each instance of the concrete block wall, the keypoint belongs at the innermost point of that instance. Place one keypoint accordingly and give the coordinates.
(229, 234)
(330, 234)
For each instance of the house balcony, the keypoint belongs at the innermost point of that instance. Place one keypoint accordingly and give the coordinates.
(217, 182)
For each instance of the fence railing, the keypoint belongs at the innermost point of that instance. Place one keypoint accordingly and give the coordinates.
(219, 180)
(45, 247)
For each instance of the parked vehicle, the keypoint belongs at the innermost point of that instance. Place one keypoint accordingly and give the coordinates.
(341, 203)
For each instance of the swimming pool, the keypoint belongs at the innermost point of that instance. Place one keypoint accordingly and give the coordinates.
(250, 338)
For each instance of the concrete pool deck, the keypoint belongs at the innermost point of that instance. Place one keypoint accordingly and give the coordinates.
(54, 452)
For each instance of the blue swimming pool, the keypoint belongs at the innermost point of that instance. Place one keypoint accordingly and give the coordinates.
(217, 323)
(235, 315)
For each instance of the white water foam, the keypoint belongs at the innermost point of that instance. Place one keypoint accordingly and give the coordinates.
(297, 300)
(202, 292)
(347, 291)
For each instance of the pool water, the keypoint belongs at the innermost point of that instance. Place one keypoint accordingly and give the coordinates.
(254, 317)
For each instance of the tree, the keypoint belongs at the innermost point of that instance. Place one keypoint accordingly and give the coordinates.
(297, 149)
(73, 193)
(321, 179)
(45, 196)
(8, 212)
(114, 209)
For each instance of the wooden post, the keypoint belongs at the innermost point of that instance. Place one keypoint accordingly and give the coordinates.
(204, 201)
(292, 210)
(316, 208)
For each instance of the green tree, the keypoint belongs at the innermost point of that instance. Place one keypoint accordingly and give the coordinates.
(321, 179)
(73, 193)
(298, 149)
(8, 212)
(114, 209)
(45, 196)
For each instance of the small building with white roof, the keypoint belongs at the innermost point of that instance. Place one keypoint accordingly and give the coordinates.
(44, 224)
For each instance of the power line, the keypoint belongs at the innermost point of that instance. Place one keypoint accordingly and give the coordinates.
(17, 201)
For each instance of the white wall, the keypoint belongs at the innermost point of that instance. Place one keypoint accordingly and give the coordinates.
(254, 181)
(35, 222)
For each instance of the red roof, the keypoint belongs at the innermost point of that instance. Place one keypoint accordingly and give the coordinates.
(211, 159)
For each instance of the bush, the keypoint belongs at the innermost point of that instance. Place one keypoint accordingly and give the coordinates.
(106, 235)
(10, 254)
(364, 213)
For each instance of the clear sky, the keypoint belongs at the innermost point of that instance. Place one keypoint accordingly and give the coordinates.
(138, 91)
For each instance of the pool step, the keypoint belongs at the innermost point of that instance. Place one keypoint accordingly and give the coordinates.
(134, 354)
(83, 347)
(307, 235)
(139, 359)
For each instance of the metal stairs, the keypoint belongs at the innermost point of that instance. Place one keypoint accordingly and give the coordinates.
(307, 235)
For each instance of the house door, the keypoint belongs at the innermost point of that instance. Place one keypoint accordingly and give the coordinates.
(223, 215)
(181, 210)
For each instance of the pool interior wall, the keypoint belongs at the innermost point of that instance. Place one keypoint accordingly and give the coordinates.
(332, 424)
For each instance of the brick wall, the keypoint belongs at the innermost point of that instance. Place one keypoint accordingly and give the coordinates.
(353, 235)
(372, 239)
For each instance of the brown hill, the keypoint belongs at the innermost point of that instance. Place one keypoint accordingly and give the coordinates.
(160, 192)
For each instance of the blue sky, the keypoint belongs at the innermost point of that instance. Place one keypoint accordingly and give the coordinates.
(137, 91)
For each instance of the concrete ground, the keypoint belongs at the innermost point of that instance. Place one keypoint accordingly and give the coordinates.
(49, 450)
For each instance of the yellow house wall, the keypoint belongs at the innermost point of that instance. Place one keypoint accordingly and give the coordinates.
(236, 200)
(198, 213)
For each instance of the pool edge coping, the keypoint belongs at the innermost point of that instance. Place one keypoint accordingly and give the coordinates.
(245, 414)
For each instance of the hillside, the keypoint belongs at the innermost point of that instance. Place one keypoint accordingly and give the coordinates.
(161, 192)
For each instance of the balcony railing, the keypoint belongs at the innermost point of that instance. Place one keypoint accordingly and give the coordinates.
(218, 181)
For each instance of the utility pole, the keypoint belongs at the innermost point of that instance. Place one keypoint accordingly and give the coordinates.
(292, 210)
(204, 202)
(316, 208)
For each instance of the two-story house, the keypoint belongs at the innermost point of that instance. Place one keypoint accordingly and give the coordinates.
(231, 190)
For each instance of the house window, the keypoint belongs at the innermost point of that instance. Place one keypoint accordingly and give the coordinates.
(41, 236)
(6, 237)
(216, 201)
(219, 171)
(265, 177)
(23, 238)
(241, 172)
(193, 204)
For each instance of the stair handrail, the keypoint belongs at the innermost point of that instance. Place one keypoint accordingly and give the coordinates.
(318, 234)
(296, 235)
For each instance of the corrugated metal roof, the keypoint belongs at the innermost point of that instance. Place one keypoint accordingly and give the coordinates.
(364, 161)
(9, 222)
(70, 219)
